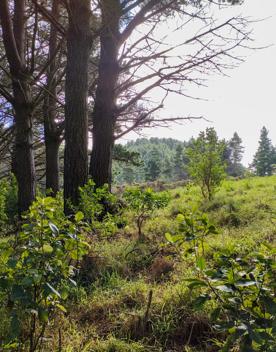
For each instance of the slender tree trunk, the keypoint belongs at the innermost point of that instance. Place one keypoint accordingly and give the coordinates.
(104, 114)
(101, 157)
(13, 31)
(52, 165)
(76, 90)
(52, 143)
(24, 154)
(51, 131)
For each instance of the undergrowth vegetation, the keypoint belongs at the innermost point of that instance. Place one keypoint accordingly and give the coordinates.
(142, 271)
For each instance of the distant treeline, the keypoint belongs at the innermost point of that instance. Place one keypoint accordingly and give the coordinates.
(165, 159)
(158, 159)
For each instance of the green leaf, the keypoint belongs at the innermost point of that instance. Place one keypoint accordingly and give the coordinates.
(43, 315)
(47, 249)
(64, 293)
(10, 346)
(27, 281)
(180, 218)
(270, 304)
(79, 216)
(75, 254)
(212, 229)
(255, 336)
(201, 263)
(12, 263)
(4, 283)
(199, 302)
(61, 307)
(168, 237)
(173, 238)
(17, 293)
(196, 283)
(15, 325)
(215, 314)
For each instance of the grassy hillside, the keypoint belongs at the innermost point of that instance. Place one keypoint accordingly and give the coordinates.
(133, 296)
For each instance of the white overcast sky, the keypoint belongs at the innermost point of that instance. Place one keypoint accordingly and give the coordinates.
(243, 102)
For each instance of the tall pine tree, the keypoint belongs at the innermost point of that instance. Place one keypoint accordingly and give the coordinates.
(180, 162)
(153, 165)
(263, 159)
(236, 150)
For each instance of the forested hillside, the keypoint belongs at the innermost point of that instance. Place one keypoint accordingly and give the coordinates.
(167, 159)
(159, 159)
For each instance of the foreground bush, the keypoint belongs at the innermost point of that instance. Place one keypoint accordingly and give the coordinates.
(143, 203)
(240, 286)
(37, 271)
(8, 202)
(101, 209)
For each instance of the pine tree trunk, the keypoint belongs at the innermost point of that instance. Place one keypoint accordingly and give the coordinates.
(52, 164)
(52, 137)
(76, 89)
(13, 33)
(52, 133)
(103, 116)
(24, 154)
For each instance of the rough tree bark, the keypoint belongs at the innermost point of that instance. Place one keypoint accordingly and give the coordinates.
(13, 38)
(52, 132)
(52, 144)
(76, 89)
(104, 114)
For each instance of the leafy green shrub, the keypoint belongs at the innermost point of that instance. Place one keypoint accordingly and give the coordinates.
(8, 201)
(3, 194)
(11, 200)
(37, 269)
(101, 208)
(241, 286)
(193, 228)
(143, 203)
(244, 289)
(206, 165)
